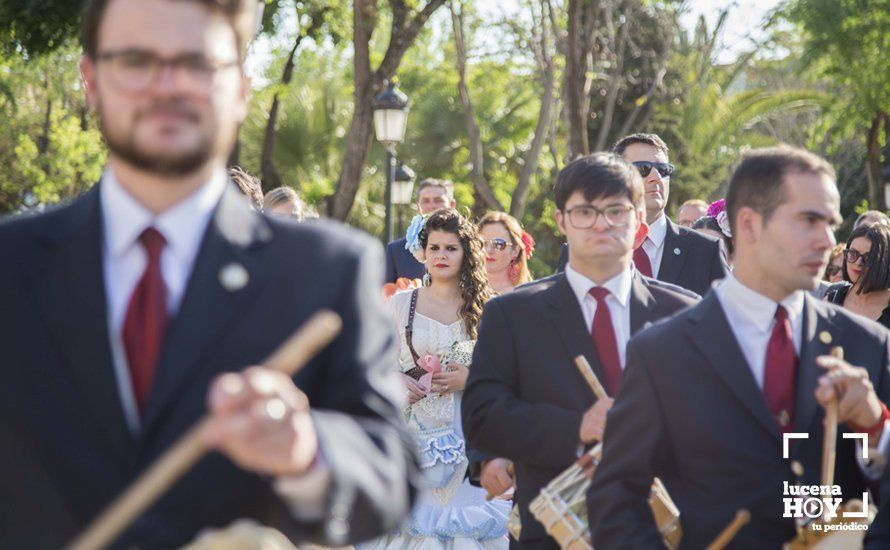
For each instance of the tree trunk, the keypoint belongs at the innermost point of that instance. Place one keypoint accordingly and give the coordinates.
(367, 84)
(477, 156)
(618, 50)
(542, 128)
(577, 80)
(43, 140)
(873, 163)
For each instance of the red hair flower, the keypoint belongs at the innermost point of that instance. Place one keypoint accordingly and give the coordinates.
(529, 243)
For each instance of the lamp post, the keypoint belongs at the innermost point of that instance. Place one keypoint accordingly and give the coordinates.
(402, 191)
(390, 120)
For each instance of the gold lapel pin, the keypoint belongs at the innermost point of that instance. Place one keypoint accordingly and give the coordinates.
(825, 337)
(233, 277)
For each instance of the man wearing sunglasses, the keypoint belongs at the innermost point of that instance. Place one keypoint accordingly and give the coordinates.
(525, 400)
(670, 252)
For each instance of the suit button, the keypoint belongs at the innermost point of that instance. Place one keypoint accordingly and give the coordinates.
(797, 468)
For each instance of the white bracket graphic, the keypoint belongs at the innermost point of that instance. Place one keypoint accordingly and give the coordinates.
(864, 438)
(791, 435)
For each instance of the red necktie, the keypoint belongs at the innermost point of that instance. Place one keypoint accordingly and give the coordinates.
(641, 261)
(605, 341)
(779, 372)
(146, 318)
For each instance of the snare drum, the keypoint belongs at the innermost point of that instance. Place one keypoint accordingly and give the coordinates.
(562, 507)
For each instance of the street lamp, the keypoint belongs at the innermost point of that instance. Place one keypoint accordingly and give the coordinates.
(390, 120)
(402, 190)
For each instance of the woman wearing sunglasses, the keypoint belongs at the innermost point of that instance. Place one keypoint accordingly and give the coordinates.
(507, 250)
(866, 286)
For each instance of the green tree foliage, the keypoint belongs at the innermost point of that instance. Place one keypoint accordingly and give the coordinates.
(37, 27)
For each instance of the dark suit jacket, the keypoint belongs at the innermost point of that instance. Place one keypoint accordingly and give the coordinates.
(690, 412)
(524, 397)
(65, 449)
(690, 260)
(400, 262)
(878, 535)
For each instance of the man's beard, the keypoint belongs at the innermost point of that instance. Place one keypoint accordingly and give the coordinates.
(160, 164)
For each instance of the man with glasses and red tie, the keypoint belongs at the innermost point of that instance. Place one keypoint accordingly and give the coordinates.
(670, 252)
(709, 395)
(140, 307)
(525, 400)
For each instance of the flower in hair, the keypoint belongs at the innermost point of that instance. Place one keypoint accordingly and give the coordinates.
(412, 237)
(528, 242)
(717, 210)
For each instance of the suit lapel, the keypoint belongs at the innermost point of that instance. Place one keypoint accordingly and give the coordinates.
(565, 313)
(815, 325)
(671, 261)
(71, 296)
(714, 338)
(207, 306)
(642, 304)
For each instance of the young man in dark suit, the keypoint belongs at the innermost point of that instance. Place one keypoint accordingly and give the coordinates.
(123, 311)
(525, 400)
(710, 394)
(432, 195)
(670, 253)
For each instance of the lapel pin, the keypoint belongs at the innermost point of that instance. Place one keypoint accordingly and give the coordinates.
(797, 468)
(784, 418)
(825, 337)
(676, 252)
(233, 277)
(647, 324)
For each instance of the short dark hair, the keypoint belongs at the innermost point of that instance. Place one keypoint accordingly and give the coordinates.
(240, 13)
(599, 175)
(876, 271)
(758, 181)
(648, 139)
(445, 185)
(709, 222)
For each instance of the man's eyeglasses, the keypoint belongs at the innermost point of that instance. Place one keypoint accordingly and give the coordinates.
(853, 256)
(495, 244)
(584, 216)
(665, 169)
(135, 70)
(833, 270)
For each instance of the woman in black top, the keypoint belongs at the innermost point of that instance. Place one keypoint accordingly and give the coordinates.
(866, 286)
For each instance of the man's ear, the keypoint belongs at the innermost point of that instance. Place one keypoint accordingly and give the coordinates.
(452, 204)
(642, 230)
(748, 224)
(88, 76)
(560, 221)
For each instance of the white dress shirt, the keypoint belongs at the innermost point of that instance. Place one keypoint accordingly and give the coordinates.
(618, 300)
(653, 246)
(751, 317)
(124, 259)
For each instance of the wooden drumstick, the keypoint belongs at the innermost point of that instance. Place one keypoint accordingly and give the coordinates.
(829, 446)
(590, 377)
(289, 358)
(742, 517)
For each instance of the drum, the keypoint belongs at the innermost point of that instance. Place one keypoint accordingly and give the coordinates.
(827, 538)
(562, 506)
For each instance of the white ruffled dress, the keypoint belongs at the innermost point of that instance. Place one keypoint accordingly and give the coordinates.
(450, 513)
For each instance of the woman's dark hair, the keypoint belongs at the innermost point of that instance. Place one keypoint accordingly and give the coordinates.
(709, 222)
(876, 271)
(473, 281)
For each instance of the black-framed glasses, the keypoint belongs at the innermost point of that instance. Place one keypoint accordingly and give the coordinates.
(585, 215)
(497, 243)
(134, 70)
(665, 169)
(853, 256)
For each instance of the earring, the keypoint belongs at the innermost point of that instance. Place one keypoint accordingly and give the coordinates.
(426, 279)
(513, 272)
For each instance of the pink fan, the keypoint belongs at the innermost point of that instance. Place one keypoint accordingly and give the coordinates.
(431, 364)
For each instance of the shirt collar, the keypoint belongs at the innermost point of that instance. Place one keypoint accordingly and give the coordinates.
(757, 308)
(619, 285)
(182, 225)
(658, 230)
